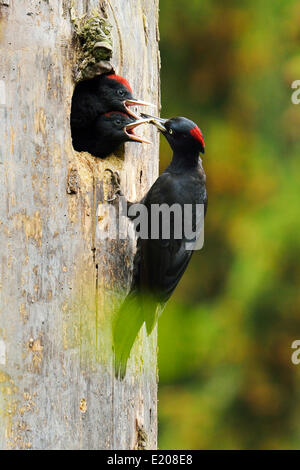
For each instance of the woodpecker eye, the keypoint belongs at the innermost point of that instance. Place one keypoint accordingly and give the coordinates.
(171, 131)
(121, 92)
(118, 122)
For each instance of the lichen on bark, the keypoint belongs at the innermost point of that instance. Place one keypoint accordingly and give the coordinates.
(95, 46)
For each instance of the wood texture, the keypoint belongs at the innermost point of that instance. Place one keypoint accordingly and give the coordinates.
(59, 282)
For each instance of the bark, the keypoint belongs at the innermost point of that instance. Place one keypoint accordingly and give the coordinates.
(59, 282)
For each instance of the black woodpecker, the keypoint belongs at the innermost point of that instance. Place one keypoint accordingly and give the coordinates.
(102, 94)
(160, 263)
(108, 132)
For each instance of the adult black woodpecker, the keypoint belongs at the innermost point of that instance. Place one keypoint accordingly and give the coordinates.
(108, 132)
(91, 98)
(160, 263)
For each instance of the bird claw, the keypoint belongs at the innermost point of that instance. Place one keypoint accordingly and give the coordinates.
(116, 183)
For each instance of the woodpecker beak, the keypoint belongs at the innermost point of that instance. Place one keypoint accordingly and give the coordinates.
(134, 102)
(129, 130)
(158, 122)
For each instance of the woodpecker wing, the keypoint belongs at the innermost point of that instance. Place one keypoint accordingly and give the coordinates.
(162, 262)
(158, 264)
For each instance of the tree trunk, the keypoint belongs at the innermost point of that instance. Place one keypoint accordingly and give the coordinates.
(59, 282)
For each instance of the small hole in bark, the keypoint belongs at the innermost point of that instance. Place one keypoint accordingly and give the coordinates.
(83, 405)
(141, 437)
(72, 181)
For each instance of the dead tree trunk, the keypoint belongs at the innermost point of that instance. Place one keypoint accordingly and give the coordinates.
(58, 279)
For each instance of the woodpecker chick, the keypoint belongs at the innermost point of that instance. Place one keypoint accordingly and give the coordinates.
(108, 132)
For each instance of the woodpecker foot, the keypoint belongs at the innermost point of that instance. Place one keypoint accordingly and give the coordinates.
(116, 183)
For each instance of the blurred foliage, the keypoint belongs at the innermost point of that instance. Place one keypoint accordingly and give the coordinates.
(226, 377)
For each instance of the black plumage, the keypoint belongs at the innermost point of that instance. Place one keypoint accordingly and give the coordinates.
(160, 263)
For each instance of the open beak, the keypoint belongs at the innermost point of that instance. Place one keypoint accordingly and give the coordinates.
(158, 122)
(134, 102)
(129, 130)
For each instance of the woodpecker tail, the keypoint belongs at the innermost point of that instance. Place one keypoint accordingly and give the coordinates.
(126, 328)
(152, 312)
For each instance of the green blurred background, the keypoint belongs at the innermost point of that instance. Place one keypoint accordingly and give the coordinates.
(226, 377)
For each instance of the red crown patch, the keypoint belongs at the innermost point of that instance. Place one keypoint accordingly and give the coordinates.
(197, 134)
(121, 80)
